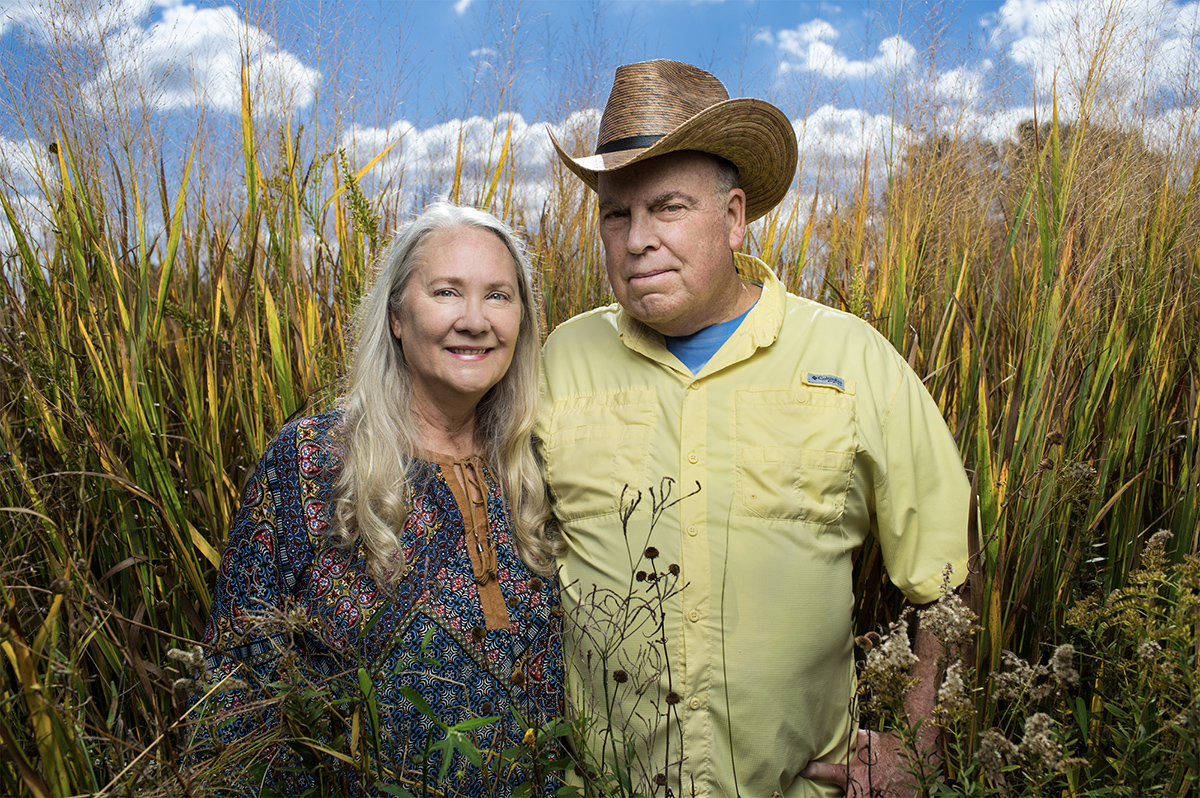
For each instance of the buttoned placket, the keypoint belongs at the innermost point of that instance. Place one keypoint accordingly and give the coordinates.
(696, 646)
(695, 642)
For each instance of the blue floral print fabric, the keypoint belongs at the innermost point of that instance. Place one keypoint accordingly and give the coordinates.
(290, 607)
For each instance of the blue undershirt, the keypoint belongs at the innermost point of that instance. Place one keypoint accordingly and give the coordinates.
(698, 348)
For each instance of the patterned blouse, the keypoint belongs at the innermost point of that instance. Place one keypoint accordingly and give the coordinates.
(290, 608)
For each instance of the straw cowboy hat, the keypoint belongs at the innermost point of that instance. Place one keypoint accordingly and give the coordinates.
(657, 107)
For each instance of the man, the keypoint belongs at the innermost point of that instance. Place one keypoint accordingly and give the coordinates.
(765, 435)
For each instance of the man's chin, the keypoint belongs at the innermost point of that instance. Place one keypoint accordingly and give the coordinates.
(652, 314)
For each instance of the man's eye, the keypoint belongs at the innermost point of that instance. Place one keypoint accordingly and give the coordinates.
(672, 208)
(443, 292)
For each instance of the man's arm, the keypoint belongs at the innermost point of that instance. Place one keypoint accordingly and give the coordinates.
(884, 762)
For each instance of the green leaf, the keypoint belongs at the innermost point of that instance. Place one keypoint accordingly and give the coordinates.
(474, 723)
(422, 706)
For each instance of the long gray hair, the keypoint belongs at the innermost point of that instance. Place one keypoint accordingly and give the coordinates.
(380, 435)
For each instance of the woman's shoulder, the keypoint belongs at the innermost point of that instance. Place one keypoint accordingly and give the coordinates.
(323, 429)
(308, 447)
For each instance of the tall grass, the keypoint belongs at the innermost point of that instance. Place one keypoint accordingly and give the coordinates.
(152, 339)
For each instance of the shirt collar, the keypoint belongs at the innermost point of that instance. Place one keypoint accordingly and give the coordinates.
(760, 328)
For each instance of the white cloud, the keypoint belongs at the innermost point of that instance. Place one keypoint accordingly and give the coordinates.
(810, 48)
(849, 133)
(994, 126)
(961, 85)
(73, 20)
(424, 159)
(19, 165)
(193, 57)
(1130, 50)
(1177, 130)
(461, 6)
(484, 52)
(19, 162)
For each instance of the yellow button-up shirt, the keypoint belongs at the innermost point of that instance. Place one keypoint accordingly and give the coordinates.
(709, 622)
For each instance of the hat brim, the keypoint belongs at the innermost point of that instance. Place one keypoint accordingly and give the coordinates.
(752, 134)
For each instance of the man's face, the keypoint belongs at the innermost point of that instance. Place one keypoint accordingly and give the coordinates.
(669, 238)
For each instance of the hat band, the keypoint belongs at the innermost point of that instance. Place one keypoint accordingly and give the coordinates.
(628, 143)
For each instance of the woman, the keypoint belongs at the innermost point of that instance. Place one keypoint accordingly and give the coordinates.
(397, 544)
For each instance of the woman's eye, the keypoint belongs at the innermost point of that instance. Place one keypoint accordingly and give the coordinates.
(498, 295)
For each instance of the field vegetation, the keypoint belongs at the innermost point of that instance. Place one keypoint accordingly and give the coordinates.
(156, 329)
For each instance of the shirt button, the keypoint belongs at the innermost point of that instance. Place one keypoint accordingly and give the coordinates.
(695, 386)
(601, 400)
(694, 615)
(693, 531)
(692, 458)
(694, 703)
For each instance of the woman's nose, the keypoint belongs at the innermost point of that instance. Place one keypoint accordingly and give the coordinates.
(472, 319)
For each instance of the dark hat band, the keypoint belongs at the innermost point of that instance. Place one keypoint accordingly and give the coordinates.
(628, 143)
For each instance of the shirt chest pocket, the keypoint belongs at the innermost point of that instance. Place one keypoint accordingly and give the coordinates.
(795, 451)
(597, 444)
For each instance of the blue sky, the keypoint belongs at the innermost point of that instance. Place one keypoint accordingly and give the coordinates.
(857, 79)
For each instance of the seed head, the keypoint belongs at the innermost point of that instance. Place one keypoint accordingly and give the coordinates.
(1159, 539)
(995, 751)
(1062, 665)
(885, 673)
(953, 700)
(1037, 746)
(951, 621)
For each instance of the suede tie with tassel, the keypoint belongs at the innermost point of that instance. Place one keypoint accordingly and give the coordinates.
(470, 493)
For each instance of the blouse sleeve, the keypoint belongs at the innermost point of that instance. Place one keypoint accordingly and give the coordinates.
(248, 629)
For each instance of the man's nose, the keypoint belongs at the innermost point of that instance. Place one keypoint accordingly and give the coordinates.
(643, 233)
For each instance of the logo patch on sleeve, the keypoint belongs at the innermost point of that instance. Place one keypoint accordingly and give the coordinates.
(830, 380)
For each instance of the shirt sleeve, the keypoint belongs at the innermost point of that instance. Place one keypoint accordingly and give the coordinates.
(922, 496)
(541, 423)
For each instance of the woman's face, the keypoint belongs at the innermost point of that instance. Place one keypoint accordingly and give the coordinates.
(459, 318)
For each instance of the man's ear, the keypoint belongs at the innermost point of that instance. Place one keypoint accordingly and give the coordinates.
(735, 214)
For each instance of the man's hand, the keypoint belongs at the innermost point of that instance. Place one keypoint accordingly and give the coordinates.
(879, 768)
